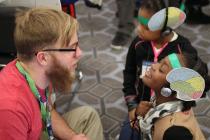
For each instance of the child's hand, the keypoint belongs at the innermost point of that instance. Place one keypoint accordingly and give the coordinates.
(143, 108)
(132, 115)
(133, 119)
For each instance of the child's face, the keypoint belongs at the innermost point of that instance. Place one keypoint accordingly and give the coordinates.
(155, 77)
(143, 30)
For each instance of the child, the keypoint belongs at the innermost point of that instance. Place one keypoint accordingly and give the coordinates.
(176, 88)
(148, 47)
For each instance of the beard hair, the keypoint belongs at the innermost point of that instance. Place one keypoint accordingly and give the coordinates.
(60, 77)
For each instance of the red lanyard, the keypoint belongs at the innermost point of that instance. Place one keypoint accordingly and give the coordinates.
(156, 54)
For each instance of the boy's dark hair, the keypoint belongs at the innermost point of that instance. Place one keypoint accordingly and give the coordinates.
(156, 5)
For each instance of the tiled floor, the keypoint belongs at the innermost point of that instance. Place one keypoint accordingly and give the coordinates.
(102, 67)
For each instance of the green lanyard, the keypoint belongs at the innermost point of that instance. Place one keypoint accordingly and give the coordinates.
(46, 116)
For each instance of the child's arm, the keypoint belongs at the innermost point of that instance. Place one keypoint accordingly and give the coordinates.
(143, 108)
(129, 75)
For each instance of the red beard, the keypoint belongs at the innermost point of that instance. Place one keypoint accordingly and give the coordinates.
(60, 77)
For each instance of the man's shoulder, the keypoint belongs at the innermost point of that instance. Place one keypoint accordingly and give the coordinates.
(10, 75)
(12, 86)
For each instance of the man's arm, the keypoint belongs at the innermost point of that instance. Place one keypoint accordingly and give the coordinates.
(61, 129)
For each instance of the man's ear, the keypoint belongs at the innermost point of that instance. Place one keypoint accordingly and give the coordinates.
(42, 58)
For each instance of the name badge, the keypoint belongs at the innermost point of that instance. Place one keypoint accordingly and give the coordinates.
(146, 65)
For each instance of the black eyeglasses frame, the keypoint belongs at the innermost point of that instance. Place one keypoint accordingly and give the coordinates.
(60, 50)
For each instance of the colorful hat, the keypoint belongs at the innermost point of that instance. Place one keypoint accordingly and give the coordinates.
(188, 83)
(176, 17)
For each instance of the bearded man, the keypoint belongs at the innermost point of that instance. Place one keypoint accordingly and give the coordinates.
(47, 54)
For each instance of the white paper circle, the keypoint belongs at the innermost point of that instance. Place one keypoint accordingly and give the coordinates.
(176, 17)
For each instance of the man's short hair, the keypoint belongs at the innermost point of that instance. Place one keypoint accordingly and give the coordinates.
(39, 28)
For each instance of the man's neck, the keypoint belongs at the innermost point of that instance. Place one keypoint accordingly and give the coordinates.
(36, 73)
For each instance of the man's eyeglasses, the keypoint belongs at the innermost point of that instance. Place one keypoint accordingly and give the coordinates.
(73, 49)
(60, 50)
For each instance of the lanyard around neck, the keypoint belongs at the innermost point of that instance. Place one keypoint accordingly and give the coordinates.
(156, 54)
(46, 116)
(34, 89)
